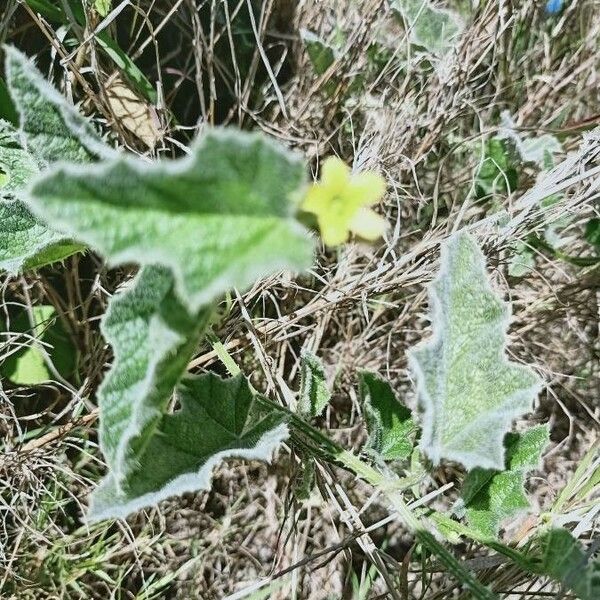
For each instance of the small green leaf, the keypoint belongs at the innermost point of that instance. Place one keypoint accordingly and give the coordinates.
(314, 393)
(540, 149)
(564, 559)
(321, 54)
(220, 218)
(389, 423)
(28, 366)
(498, 172)
(435, 29)
(490, 497)
(218, 419)
(468, 391)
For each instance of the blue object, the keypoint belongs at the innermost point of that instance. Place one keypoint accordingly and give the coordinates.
(553, 6)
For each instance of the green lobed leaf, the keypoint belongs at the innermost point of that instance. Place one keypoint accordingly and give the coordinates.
(220, 218)
(218, 419)
(153, 338)
(50, 129)
(390, 424)
(436, 29)
(539, 149)
(522, 260)
(564, 559)
(314, 394)
(27, 366)
(490, 497)
(103, 7)
(468, 391)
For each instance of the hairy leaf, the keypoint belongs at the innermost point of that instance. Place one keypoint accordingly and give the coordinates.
(436, 29)
(539, 149)
(27, 244)
(490, 497)
(389, 423)
(522, 260)
(314, 393)
(51, 128)
(218, 419)
(564, 559)
(153, 338)
(17, 165)
(220, 218)
(468, 391)
(497, 172)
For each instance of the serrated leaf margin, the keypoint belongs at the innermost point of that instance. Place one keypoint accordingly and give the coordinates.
(523, 398)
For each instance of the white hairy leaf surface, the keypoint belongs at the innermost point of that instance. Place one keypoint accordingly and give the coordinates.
(219, 419)
(24, 241)
(468, 391)
(219, 218)
(153, 338)
(435, 29)
(50, 129)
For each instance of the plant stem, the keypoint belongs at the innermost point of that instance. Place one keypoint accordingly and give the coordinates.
(333, 452)
(416, 525)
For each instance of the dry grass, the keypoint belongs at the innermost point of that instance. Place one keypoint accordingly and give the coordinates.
(423, 124)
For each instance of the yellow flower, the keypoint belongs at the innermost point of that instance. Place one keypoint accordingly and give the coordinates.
(340, 202)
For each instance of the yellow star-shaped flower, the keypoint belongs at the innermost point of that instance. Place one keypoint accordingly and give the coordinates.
(340, 202)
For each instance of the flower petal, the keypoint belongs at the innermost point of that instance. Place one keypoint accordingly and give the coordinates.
(368, 225)
(316, 200)
(367, 188)
(335, 174)
(333, 232)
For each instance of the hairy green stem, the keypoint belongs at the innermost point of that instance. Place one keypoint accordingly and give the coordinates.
(333, 452)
